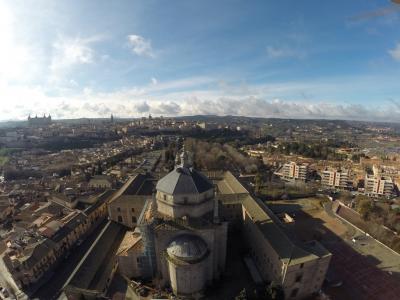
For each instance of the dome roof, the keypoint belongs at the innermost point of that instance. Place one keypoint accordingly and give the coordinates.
(187, 247)
(183, 180)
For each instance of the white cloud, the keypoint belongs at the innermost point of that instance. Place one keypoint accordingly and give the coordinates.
(138, 102)
(166, 108)
(142, 107)
(68, 52)
(73, 83)
(15, 58)
(395, 53)
(154, 80)
(284, 52)
(179, 84)
(140, 45)
(203, 95)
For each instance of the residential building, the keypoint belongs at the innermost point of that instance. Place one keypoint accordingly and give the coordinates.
(33, 252)
(336, 178)
(376, 186)
(293, 171)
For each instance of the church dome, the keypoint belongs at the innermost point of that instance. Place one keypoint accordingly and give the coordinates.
(184, 180)
(188, 248)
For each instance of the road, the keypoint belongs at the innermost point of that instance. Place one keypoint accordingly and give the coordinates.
(52, 288)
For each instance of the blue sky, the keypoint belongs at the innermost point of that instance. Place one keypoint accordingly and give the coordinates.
(296, 59)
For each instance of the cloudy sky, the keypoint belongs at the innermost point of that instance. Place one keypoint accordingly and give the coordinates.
(294, 59)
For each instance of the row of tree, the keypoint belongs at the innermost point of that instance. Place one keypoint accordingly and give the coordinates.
(216, 156)
(380, 221)
(318, 150)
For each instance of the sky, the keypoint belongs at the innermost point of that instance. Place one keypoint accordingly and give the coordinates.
(288, 59)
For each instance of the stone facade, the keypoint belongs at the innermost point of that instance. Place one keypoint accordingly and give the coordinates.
(182, 243)
(300, 268)
(127, 204)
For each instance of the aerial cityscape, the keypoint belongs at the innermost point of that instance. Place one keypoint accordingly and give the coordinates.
(200, 150)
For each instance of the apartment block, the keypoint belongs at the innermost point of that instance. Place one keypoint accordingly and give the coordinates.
(293, 171)
(378, 186)
(336, 178)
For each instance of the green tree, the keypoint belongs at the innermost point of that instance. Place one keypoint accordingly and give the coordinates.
(364, 207)
(258, 181)
(274, 292)
(242, 295)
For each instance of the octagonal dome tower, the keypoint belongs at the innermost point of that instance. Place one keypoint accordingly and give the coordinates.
(184, 191)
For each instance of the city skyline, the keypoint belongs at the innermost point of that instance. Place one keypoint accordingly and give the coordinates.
(73, 59)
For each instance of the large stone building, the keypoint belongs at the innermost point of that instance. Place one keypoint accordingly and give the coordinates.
(299, 267)
(93, 275)
(38, 121)
(127, 203)
(180, 241)
(181, 235)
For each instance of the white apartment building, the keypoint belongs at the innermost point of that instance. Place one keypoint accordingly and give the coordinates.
(337, 178)
(378, 185)
(293, 171)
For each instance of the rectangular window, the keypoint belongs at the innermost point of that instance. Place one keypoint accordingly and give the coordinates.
(133, 219)
(133, 210)
(118, 209)
(165, 197)
(299, 277)
(301, 266)
(120, 219)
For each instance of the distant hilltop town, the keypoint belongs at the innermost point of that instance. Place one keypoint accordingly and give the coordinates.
(39, 121)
